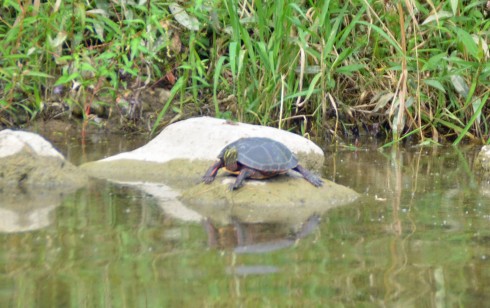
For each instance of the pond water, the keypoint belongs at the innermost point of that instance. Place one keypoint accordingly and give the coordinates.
(418, 237)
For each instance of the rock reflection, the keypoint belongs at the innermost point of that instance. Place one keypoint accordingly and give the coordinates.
(24, 209)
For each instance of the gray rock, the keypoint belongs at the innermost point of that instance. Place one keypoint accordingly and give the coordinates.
(201, 140)
(483, 158)
(27, 160)
(34, 178)
(13, 142)
(182, 153)
(482, 167)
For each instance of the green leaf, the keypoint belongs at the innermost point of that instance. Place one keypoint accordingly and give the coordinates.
(349, 69)
(383, 34)
(460, 85)
(483, 51)
(468, 42)
(107, 55)
(217, 74)
(37, 74)
(262, 51)
(343, 55)
(454, 6)
(437, 16)
(190, 22)
(448, 124)
(175, 89)
(476, 115)
(382, 100)
(116, 28)
(87, 67)
(60, 39)
(66, 78)
(332, 34)
(233, 52)
(434, 62)
(135, 44)
(313, 84)
(435, 84)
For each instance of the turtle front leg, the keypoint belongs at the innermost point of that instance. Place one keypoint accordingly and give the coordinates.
(212, 171)
(244, 173)
(310, 177)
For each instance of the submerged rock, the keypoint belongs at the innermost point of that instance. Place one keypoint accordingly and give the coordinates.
(287, 199)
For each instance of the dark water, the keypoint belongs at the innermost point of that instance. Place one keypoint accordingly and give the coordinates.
(418, 237)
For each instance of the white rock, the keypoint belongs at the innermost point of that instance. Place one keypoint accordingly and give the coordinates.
(12, 142)
(203, 138)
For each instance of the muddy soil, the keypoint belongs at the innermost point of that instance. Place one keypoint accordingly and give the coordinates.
(130, 113)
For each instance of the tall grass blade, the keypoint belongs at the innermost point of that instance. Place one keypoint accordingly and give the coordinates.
(175, 89)
(216, 78)
(475, 116)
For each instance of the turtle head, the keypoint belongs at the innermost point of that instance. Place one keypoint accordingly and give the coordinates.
(231, 158)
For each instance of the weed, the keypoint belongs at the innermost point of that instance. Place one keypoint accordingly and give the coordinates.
(406, 68)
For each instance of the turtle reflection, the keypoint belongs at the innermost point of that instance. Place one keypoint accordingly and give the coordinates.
(255, 238)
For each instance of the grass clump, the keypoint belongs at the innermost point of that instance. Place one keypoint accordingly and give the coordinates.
(86, 49)
(403, 68)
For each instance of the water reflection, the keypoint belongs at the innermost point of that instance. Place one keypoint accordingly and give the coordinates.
(419, 236)
(79, 148)
(28, 208)
(257, 237)
(422, 212)
(26, 219)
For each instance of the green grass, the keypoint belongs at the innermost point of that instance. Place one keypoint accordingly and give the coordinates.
(409, 68)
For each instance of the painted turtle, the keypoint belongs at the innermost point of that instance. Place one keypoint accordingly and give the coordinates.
(257, 158)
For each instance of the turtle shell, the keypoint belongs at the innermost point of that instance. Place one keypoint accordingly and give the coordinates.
(263, 154)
